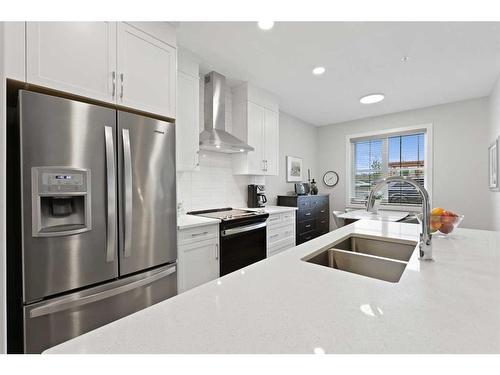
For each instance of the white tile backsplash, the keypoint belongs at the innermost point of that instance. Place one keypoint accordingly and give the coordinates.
(214, 185)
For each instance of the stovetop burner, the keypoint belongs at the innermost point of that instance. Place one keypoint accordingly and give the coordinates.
(226, 214)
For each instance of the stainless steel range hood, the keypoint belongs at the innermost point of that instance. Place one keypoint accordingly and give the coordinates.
(215, 137)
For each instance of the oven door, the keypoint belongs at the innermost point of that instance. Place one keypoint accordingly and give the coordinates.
(242, 246)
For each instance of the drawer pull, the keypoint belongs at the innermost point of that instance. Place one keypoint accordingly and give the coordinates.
(198, 234)
(308, 226)
(274, 218)
(308, 214)
(322, 211)
(275, 235)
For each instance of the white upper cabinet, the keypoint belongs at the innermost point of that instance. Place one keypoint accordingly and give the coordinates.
(75, 57)
(256, 121)
(113, 62)
(13, 49)
(188, 115)
(255, 138)
(271, 142)
(146, 72)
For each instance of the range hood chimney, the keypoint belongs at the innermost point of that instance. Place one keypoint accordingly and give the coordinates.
(215, 137)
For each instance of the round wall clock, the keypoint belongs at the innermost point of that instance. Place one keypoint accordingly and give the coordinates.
(330, 178)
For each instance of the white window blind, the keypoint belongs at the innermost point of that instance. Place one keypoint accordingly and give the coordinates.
(383, 156)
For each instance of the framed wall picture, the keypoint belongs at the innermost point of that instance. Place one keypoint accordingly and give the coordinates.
(293, 169)
(493, 166)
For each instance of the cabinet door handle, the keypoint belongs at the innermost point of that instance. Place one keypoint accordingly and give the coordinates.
(308, 226)
(275, 235)
(263, 165)
(121, 83)
(199, 234)
(113, 76)
(308, 214)
(216, 251)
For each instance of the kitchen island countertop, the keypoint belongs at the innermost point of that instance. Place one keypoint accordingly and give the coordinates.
(285, 305)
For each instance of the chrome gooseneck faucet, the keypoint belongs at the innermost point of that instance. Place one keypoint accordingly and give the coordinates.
(425, 235)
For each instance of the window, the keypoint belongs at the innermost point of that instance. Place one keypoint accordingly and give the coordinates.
(378, 155)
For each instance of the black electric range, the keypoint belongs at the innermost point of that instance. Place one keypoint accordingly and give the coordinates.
(242, 236)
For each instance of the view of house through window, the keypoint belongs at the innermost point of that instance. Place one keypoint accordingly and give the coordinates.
(378, 157)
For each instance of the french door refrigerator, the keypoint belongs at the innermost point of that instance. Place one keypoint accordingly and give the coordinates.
(98, 216)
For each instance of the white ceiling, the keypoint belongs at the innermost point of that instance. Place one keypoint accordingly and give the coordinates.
(449, 61)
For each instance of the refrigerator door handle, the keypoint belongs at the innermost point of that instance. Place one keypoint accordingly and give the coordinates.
(111, 195)
(127, 173)
(70, 302)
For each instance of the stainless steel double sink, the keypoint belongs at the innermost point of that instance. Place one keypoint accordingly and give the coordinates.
(377, 257)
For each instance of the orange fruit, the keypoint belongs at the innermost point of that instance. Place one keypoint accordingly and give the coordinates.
(438, 211)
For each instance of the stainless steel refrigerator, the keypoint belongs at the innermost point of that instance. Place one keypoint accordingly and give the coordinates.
(98, 216)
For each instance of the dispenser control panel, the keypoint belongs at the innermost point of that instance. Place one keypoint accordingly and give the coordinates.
(61, 180)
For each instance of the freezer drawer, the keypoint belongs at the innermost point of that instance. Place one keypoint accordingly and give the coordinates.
(51, 322)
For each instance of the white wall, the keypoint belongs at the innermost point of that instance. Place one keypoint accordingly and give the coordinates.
(493, 133)
(296, 138)
(460, 141)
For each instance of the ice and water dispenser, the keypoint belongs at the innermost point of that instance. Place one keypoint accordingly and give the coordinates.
(61, 201)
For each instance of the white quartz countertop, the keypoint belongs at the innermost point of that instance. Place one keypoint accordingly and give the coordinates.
(285, 305)
(190, 221)
(379, 215)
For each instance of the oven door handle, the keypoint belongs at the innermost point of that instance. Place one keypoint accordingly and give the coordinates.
(246, 228)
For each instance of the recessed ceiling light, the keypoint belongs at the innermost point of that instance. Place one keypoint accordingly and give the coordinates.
(241, 150)
(217, 146)
(372, 98)
(265, 25)
(319, 70)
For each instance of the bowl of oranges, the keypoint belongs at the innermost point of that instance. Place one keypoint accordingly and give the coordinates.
(443, 221)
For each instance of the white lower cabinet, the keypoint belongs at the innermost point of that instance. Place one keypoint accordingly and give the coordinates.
(198, 256)
(280, 232)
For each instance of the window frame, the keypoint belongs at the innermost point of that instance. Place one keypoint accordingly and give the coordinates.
(385, 133)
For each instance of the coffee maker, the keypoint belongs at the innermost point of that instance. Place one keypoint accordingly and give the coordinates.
(256, 196)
